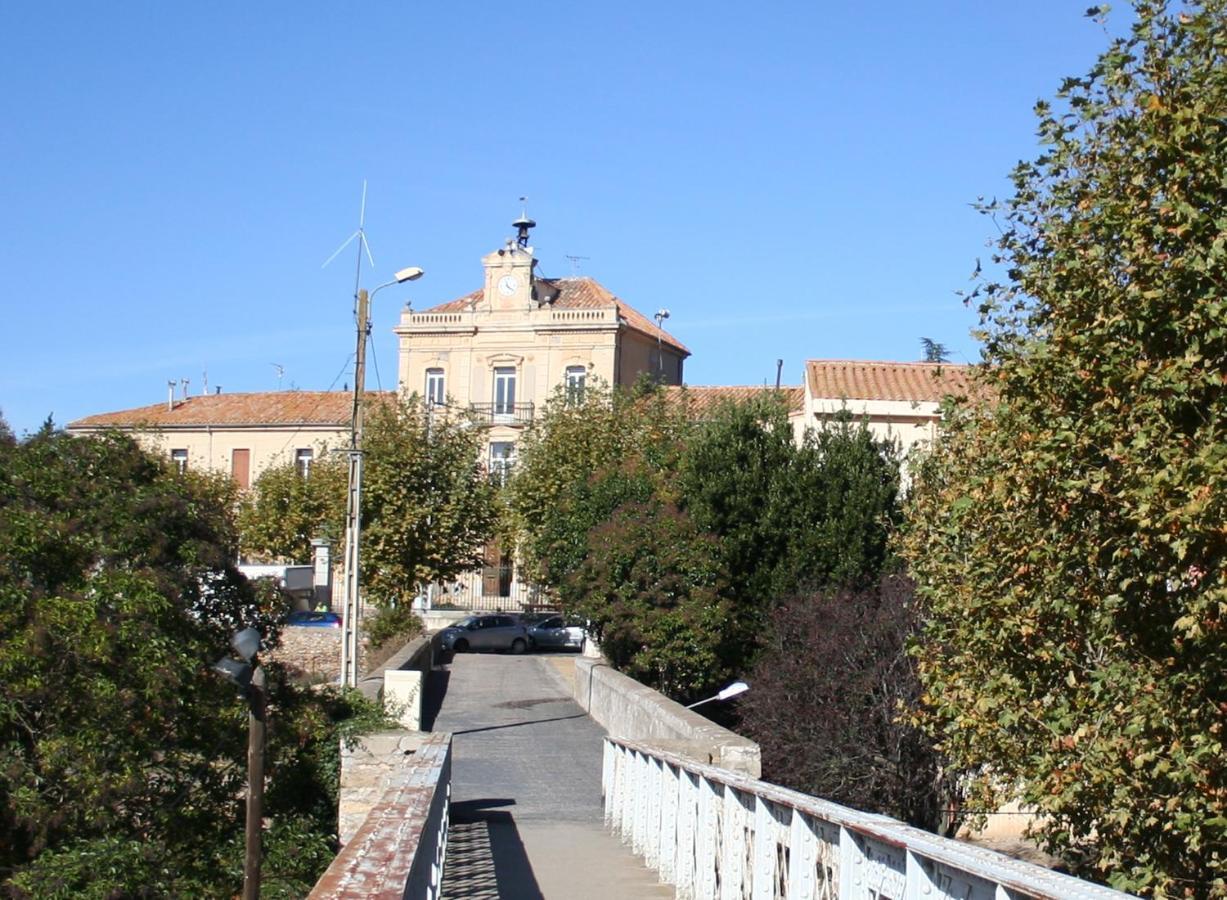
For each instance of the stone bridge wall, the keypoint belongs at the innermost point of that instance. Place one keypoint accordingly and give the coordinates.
(627, 709)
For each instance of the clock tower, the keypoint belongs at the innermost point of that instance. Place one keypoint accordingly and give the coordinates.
(509, 271)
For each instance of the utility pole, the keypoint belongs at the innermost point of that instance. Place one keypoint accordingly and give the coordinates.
(255, 784)
(353, 506)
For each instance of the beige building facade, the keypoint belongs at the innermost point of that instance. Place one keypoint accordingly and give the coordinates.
(505, 349)
(240, 434)
(899, 402)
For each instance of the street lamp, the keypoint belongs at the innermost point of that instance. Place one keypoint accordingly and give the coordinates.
(353, 497)
(661, 315)
(737, 687)
(247, 674)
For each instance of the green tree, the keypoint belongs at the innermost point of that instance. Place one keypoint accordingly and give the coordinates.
(427, 506)
(583, 458)
(284, 510)
(121, 752)
(1067, 536)
(933, 351)
(653, 591)
(116, 592)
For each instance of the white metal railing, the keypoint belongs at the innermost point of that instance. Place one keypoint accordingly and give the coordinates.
(716, 834)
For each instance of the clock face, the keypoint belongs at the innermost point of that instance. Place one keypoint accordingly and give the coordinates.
(507, 285)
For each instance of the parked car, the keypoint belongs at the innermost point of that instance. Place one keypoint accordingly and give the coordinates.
(555, 632)
(488, 632)
(309, 618)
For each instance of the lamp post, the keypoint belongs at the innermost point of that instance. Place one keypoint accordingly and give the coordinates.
(248, 675)
(737, 687)
(661, 315)
(353, 497)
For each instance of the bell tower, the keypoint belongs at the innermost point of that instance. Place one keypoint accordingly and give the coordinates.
(509, 271)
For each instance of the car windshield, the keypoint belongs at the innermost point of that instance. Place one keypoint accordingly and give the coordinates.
(465, 623)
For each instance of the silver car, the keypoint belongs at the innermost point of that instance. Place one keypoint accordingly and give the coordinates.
(557, 633)
(485, 632)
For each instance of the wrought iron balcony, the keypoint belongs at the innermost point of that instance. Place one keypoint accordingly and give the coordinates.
(503, 413)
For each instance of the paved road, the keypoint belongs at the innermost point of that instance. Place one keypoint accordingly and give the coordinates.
(527, 820)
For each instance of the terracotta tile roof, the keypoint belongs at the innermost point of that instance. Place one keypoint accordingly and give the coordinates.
(860, 380)
(580, 293)
(328, 408)
(703, 399)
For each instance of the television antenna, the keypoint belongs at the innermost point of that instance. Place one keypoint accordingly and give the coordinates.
(575, 263)
(280, 373)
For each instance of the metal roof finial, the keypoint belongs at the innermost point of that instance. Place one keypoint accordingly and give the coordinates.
(523, 224)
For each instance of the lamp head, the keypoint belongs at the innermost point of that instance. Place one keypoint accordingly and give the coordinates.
(413, 273)
(737, 687)
(237, 673)
(246, 643)
(662, 314)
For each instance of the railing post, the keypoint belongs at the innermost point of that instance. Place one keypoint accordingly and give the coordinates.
(630, 787)
(766, 856)
(707, 844)
(733, 845)
(852, 866)
(802, 858)
(670, 800)
(651, 831)
(687, 838)
(643, 789)
(607, 776)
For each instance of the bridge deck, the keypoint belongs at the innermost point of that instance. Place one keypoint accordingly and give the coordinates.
(527, 820)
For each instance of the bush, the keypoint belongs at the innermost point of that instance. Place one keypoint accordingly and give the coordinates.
(831, 693)
(392, 623)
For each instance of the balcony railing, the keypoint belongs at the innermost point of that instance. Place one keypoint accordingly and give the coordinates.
(503, 413)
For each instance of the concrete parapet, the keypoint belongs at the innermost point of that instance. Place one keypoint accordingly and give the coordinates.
(394, 844)
(400, 680)
(630, 710)
(370, 766)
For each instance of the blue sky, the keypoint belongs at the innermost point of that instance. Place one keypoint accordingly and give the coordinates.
(792, 180)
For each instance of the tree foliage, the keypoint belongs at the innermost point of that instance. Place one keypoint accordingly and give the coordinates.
(116, 590)
(1068, 536)
(284, 510)
(583, 458)
(427, 506)
(122, 755)
(674, 538)
(829, 688)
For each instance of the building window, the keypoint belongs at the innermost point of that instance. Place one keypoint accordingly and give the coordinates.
(302, 460)
(502, 460)
(576, 376)
(178, 459)
(504, 391)
(435, 387)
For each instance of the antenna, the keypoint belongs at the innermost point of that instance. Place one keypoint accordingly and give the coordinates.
(280, 372)
(575, 263)
(363, 245)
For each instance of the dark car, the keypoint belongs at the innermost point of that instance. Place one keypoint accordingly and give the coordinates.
(555, 632)
(485, 632)
(309, 618)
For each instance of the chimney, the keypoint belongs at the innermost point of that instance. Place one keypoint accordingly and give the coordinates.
(170, 395)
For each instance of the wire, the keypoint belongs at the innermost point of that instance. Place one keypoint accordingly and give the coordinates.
(375, 360)
(295, 434)
(344, 367)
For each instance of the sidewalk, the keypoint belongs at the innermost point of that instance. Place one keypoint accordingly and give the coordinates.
(527, 820)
